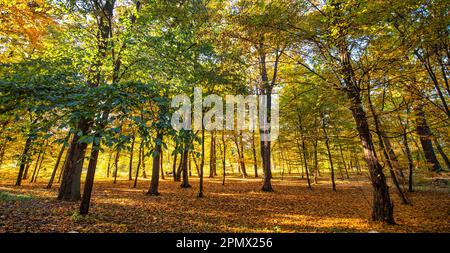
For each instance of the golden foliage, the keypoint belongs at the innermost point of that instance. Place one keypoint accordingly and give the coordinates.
(23, 23)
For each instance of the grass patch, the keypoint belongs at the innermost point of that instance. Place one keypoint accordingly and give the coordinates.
(7, 196)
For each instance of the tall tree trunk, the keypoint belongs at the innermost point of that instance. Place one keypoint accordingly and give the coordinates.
(241, 144)
(155, 166)
(139, 164)
(116, 165)
(71, 179)
(202, 165)
(343, 160)
(383, 208)
(303, 150)
(327, 144)
(184, 167)
(224, 167)
(255, 161)
(174, 166)
(58, 160)
(38, 161)
(161, 165)
(108, 167)
(23, 160)
(316, 162)
(63, 166)
(385, 151)
(195, 163)
(425, 138)
(144, 174)
(266, 89)
(408, 153)
(90, 175)
(212, 156)
(130, 170)
(442, 153)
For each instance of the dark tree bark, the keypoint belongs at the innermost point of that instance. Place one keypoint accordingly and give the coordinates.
(241, 145)
(385, 151)
(425, 138)
(108, 167)
(212, 156)
(266, 89)
(161, 166)
(316, 162)
(70, 184)
(23, 160)
(144, 174)
(180, 169)
(255, 161)
(383, 208)
(184, 167)
(25, 173)
(90, 175)
(224, 157)
(155, 167)
(202, 165)
(130, 169)
(116, 165)
(139, 164)
(174, 166)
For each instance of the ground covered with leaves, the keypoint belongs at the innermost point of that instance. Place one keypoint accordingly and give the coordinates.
(239, 206)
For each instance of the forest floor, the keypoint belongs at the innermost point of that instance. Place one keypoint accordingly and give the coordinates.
(239, 206)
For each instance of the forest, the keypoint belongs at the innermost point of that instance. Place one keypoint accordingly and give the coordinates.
(358, 91)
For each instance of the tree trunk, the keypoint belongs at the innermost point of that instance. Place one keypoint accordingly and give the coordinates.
(155, 166)
(255, 161)
(55, 169)
(71, 179)
(382, 209)
(130, 170)
(90, 175)
(303, 150)
(161, 165)
(343, 160)
(139, 164)
(224, 157)
(212, 156)
(241, 144)
(385, 151)
(23, 160)
(442, 153)
(184, 167)
(327, 144)
(116, 165)
(108, 167)
(38, 160)
(174, 166)
(202, 165)
(425, 138)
